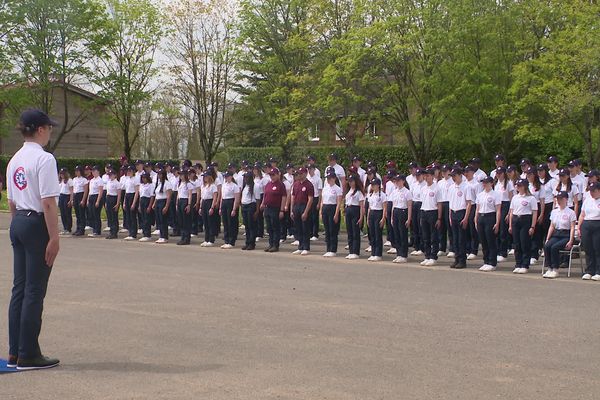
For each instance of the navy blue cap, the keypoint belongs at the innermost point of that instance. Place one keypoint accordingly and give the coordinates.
(522, 182)
(413, 164)
(553, 159)
(310, 157)
(356, 158)
(531, 170)
(469, 169)
(592, 173)
(376, 181)
(487, 179)
(511, 168)
(594, 186)
(333, 156)
(32, 119)
(499, 157)
(400, 177)
(562, 194)
(456, 171)
(564, 172)
(500, 170)
(475, 160)
(331, 174)
(525, 161)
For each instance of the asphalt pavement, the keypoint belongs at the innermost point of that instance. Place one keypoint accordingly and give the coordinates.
(147, 321)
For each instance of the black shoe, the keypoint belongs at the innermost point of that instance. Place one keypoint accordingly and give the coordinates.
(251, 247)
(461, 266)
(454, 264)
(268, 249)
(182, 243)
(111, 237)
(273, 249)
(39, 362)
(78, 234)
(11, 362)
(245, 247)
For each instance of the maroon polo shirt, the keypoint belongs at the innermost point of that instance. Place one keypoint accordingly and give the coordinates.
(274, 192)
(301, 191)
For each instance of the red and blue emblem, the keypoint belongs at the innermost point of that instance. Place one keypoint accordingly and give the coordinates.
(20, 179)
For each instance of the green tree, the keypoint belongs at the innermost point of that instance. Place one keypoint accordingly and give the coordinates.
(278, 44)
(52, 50)
(127, 67)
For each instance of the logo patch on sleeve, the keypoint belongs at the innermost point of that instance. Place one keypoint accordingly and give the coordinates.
(20, 179)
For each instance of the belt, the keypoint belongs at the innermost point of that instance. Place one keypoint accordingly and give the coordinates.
(563, 231)
(29, 213)
(487, 214)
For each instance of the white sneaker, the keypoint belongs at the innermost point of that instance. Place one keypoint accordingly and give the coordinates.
(451, 254)
(554, 274)
(296, 252)
(89, 228)
(417, 253)
(156, 232)
(144, 239)
(387, 243)
(424, 262)
(483, 267)
(107, 229)
(161, 241)
(193, 236)
(93, 235)
(295, 243)
(532, 261)
(203, 244)
(123, 230)
(400, 260)
(281, 240)
(314, 239)
(257, 239)
(523, 271)
(471, 256)
(346, 247)
(596, 277)
(586, 277)
(371, 258)
(209, 244)
(290, 237)
(511, 252)
(377, 258)
(223, 246)
(129, 238)
(490, 268)
(431, 262)
(305, 253)
(353, 257)
(516, 270)
(391, 251)
(347, 257)
(329, 254)
(440, 253)
(227, 246)
(500, 259)
(140, 231)
(368, 249)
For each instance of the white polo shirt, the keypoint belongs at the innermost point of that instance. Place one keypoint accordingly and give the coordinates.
(353, 198)
(401, 197)
(562, 218)
(317, 184)
(79, 183)
(376, 200)
(66, 186)
(429, 197)
(505, 193)
(130, 183)
(339, 171)
(487, 201)
(459, 195)
(229, 190)
(113, 187)
(591, 207)
(31, 176)
(331, 193)
(95, 185)
(523, 205)
(158, 195)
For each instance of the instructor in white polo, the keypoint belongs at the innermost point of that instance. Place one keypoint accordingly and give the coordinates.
(33, 189)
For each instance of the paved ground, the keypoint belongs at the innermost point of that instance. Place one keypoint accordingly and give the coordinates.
(139, 321)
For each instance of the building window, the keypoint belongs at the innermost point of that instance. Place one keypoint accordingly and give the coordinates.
(371, 130)
(313, 134)
(339, 134)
